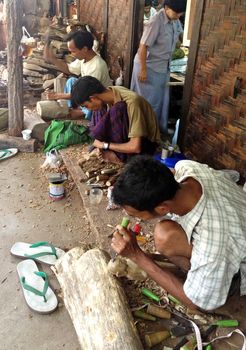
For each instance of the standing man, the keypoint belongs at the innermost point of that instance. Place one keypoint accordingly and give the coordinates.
(205, 236)
(87, 62)
(151, 70)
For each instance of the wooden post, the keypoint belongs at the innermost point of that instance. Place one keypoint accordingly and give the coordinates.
(194, 43)
(135, 27)
(14, 12)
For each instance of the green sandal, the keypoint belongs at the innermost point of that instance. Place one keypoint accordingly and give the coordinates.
(38, 295)
(43, 252)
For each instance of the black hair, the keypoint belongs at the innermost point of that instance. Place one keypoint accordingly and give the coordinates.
(147, 3)
(81, 39)
(83, 88)
(178, 6)
(144, 184)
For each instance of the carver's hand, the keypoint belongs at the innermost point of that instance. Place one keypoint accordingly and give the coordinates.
(50, 95)
(142, 76)
(98, 144)
(124, 243)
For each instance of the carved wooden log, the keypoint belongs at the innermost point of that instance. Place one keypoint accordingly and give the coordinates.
(35, 123)
(51, 109)
(96, 302)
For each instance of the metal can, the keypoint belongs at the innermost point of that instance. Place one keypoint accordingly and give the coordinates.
(164, 153)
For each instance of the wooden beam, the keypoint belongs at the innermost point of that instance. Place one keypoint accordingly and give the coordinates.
(7, 141)
(135, 27)
(14, 12)
(194, 43)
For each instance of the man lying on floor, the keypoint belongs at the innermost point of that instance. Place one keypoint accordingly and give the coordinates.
(122, 124)
(205, 235)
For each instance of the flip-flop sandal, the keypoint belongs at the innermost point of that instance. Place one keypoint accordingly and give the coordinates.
(38, 295)
(7, 153)
(42, 252)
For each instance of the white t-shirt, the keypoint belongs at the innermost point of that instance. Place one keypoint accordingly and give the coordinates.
(96, 68)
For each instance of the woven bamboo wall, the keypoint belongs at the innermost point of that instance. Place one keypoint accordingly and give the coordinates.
(93, 13)
(216, 131)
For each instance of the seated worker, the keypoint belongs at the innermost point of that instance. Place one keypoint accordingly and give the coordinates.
(87, 63)
(206, 235)
(123, 123)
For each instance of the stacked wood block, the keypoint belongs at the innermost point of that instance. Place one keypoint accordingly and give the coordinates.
(98, 172)
(216, 133)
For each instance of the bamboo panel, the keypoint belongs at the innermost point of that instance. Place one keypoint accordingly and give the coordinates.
(216, 133)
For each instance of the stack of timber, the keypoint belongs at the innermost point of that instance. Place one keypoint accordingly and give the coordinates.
(216, 132)
(27, 89)
(98, 172)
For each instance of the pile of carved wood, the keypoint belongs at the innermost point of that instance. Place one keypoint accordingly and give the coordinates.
(27, 90)
(36, 70)
(97, 171)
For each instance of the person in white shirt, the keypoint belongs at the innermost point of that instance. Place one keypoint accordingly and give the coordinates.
(149, 11)
(87, 62)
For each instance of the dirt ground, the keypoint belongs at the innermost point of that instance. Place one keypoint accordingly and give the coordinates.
(27, 214)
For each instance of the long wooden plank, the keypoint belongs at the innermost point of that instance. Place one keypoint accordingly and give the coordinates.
(98, 216)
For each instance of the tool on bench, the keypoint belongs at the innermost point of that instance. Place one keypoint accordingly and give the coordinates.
(192, 342)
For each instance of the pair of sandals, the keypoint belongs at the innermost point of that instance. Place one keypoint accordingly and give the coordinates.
(35, 285)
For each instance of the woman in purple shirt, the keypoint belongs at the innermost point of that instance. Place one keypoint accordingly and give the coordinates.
(151, 71)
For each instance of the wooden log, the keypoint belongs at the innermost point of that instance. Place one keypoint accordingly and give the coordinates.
(48, 84)
(7, 141)
(34, 67)
(102, 177)
(112, 180)
(14, 12)
(35, 123)
(109, 171)
(59, 84)
(96, 302)
(48, 77)
(60, 45)
(32, 73)
(51, 109)
(40, 62)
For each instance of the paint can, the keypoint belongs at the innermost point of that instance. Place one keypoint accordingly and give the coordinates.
(56, 186)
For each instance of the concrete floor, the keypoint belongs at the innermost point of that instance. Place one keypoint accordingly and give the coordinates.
(27, 214)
